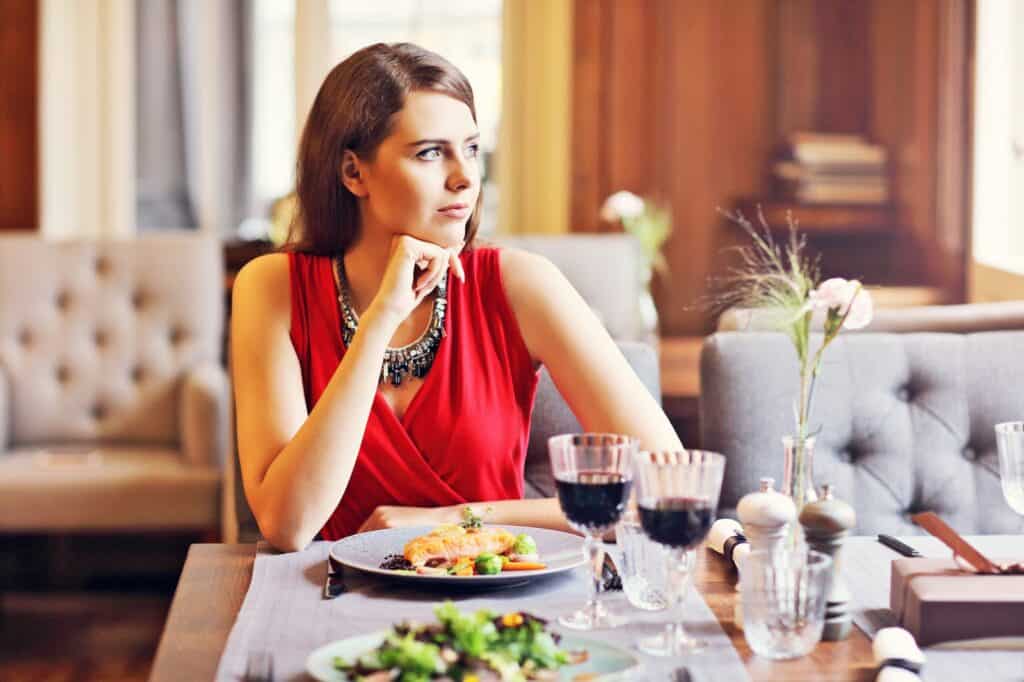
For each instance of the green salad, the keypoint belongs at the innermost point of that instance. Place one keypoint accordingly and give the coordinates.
(462, 647)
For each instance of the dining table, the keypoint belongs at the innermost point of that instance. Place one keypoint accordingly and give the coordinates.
(216, 577)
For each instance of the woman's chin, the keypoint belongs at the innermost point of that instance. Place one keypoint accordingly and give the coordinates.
(446, 236)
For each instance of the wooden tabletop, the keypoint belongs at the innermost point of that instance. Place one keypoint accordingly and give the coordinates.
(216, 577)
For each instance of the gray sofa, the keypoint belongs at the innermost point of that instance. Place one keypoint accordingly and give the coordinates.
(907, 421)
(113, 402)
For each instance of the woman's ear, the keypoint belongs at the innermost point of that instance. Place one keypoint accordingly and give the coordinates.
(351, 174)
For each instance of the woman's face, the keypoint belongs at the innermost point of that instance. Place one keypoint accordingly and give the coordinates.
(425, 178)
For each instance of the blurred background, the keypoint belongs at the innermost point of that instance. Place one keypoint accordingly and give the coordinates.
(892, 131)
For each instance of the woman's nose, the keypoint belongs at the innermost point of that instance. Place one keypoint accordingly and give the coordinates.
(461, 177)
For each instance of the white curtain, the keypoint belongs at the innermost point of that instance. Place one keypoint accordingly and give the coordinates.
(143, 116)
(86, 109)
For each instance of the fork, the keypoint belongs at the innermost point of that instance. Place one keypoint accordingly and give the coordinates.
(259, 667)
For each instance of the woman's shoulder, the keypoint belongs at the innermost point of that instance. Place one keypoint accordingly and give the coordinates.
(264, 272)
(263, 288)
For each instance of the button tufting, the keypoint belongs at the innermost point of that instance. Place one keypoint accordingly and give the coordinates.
(100, 338)
(178, 335)
(25, 338)
(903, 394)
(63, 374)
(138, 299)
(102, 266)
(969, 454)
(138, 373)
(98, 411)
(63, 300)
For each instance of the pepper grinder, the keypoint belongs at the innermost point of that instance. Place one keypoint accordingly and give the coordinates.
(766, 516)
(826, 524)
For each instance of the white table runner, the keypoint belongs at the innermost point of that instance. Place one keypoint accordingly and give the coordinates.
(867, 571)
(284, 613)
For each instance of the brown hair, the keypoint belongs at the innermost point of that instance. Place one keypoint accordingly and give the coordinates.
(355, 110)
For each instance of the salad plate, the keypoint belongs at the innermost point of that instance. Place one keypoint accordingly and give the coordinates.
(578, 658)
(558, 551)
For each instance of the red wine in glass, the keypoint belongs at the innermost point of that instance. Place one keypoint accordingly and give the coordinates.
(593, 499)
(679, 522)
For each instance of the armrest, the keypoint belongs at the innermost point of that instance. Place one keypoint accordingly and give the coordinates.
(205, 417)
(4, 410)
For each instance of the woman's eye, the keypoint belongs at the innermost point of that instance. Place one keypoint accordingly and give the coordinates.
(430, 153)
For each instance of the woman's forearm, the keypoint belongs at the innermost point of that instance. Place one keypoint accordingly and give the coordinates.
(305, 481)
(538, 513)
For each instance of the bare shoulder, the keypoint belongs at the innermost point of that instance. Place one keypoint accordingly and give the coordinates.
(263, 284)
(528, 277)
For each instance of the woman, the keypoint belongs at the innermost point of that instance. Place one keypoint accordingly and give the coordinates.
(338, 434)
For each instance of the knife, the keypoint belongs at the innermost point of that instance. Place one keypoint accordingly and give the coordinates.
(334, 584)
(610, 575)
(895, 545)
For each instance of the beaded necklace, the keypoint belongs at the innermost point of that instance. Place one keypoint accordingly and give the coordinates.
(415, 358)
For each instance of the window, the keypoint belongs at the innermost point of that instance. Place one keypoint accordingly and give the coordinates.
(998, 201)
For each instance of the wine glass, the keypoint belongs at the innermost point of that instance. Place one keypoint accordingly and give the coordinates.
(593, 475)
(1010, 441)
(677, 493)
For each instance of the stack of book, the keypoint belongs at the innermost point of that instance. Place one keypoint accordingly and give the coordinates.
(832, 168)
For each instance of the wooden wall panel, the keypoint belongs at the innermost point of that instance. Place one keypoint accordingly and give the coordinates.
(19, 153)
(688, 101)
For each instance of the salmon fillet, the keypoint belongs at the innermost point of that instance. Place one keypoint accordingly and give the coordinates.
(449, 543)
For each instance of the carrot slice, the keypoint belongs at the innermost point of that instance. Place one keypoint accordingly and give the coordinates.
(523, 566)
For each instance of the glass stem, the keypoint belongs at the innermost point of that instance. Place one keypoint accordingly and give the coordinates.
(593, 550)
(678, 584)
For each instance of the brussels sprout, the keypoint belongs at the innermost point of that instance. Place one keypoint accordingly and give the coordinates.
(488, 564)
(525, 545)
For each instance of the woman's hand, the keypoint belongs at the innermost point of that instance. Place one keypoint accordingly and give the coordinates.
(397, 517)
(414, 270)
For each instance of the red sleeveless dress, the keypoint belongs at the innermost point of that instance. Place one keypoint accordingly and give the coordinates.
(463, 437)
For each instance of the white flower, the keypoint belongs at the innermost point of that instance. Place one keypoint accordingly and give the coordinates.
(839, 295)
(621, 205)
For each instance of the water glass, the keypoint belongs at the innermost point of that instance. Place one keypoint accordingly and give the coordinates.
(1010, 441)
(784, 595)
(642, 564)
(593, 476)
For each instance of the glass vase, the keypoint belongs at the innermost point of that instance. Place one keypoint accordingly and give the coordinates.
(647, 311)
(798, 473)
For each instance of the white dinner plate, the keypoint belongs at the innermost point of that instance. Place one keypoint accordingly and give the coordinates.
(606, 662)
(365, 552)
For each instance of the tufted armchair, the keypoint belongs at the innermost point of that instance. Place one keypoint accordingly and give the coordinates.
(906, 421)
(113, 404)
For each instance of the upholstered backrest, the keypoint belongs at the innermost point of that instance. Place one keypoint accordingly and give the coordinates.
(94, 336)
(963, 318)
(552, 416)
(604, 268)
(906, 421)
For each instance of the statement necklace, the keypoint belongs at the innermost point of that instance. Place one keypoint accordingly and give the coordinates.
(416, 357)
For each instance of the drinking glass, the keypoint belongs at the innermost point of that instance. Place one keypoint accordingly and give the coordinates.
(677, 494)
(784, 596)
(593, 475)
(1010, 441)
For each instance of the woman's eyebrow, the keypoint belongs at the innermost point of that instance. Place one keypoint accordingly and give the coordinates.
(472, 138)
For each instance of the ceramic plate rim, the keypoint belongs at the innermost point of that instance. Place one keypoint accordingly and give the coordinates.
(374, 638)
(517, 577)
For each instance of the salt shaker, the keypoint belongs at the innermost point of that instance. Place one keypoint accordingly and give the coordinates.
(766, 516)
(826, 524)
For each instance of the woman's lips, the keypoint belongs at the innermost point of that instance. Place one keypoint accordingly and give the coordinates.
(455, 212)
